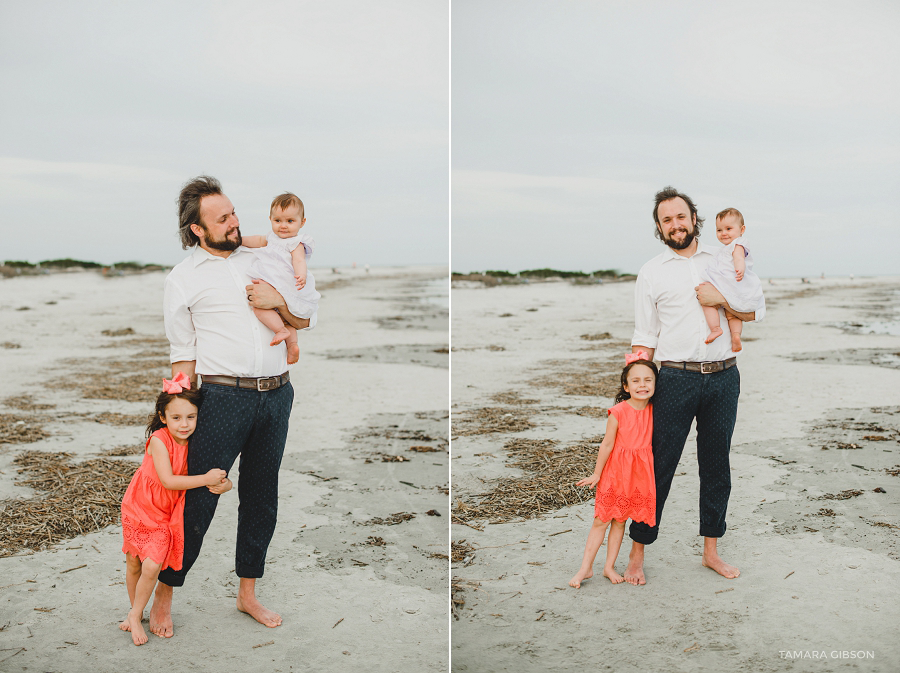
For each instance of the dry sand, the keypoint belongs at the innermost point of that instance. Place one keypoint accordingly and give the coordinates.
(372, 381)
(818, 431)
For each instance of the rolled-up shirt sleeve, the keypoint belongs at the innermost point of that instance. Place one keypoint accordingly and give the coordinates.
(179, 325)
(646, 317)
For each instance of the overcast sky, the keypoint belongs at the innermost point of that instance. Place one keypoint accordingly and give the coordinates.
(567, 117)
(109, 107)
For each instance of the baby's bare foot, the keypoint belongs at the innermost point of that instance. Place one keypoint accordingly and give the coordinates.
(293, 353)
(580, 577)
(714, 334)
(736, 344)
(258, 611)
(138, 636)
(280, 336)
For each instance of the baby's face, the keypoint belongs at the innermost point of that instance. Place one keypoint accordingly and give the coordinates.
(728, 229)
(286, 223)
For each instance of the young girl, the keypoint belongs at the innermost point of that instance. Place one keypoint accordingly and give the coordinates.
(281, 262)
(623, 475)
(731, 274)
(153, 505)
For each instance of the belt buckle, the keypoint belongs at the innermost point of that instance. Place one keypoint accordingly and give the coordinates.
(268, 383)
(708, 367)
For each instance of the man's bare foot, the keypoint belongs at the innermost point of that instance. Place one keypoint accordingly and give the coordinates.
(138, 635)
(736, 345)
(280, 336)
(580, 577)
(712, 560)
(634, 573)
(714, 334)
(613, 576)
(293, 353)
(247, 602)
(161, 612)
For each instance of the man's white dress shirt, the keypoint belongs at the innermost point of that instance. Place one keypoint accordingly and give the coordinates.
(667, 315)
(208, 317)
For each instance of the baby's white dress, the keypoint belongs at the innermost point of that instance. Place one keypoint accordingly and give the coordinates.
(273, 265)
(744, 296)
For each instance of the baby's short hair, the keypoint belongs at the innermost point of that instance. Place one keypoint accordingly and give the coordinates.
(734, 212)
(285, 201)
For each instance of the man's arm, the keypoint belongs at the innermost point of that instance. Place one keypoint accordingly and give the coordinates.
(646, 317)
(648, 351)
(708, 295)
(263, 295)
(188, 367)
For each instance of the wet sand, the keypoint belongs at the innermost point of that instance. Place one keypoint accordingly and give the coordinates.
(357, 567)
(813, 517)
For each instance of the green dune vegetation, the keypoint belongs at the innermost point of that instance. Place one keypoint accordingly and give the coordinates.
(501, 277)
(13, 267)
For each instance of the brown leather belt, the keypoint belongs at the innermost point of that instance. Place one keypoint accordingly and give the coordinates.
(702, 367)
(261, 383)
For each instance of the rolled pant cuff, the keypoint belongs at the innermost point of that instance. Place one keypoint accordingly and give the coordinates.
(642, 537)
(711, 531)
(171, 580)
(248, 572)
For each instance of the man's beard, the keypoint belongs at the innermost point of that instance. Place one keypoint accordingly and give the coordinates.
(675, 245)
(224, 244)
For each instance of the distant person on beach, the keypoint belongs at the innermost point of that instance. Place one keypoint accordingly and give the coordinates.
(281, 262)
(153, 505)
(246, 391)
(696, 380)
(731, 273)
(623, 473)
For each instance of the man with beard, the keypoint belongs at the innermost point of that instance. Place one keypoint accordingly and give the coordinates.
(247, 395)
(696, 380)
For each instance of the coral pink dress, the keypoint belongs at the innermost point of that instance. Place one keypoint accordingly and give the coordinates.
(152, 515)
(627, 486)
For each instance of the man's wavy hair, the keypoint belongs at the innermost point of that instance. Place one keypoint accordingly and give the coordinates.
(667, 194)
(189, 206)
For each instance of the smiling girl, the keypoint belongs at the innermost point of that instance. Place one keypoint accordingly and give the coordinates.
(623, 474)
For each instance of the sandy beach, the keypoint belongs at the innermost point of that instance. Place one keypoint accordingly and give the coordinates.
(813, 517)
(357, 567)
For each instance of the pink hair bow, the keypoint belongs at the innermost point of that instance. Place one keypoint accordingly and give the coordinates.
(179, 383)
(634, 357)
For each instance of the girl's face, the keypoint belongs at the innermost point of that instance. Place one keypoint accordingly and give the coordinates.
(286, 223)
(181, 419)
(728, 229)
(640, 382)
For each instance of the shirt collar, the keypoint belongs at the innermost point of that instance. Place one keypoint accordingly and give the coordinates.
(199, 255)
(670, 254)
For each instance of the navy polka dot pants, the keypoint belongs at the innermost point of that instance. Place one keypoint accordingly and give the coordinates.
(232, 422)
(681, 396)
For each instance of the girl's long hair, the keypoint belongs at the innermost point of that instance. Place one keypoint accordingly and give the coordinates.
(154, 422)
(623, 395)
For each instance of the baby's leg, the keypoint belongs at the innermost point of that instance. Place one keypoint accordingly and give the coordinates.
(613, 544)
(595, 539)
(735, 326)
(143, 590)
(270, 318)
(293, 350)
(711, 313)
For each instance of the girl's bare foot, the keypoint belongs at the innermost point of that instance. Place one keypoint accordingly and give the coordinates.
(138, 636)
(293, 353)
(714, 334)
(125, 625)
(736, 344)
(613, 576)
(580, 576)
(280, 336)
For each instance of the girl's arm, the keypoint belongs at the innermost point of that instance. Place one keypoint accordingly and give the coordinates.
(298, 260)
(740, 264)
(178, 482)
(606, 447)
(253, 241)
